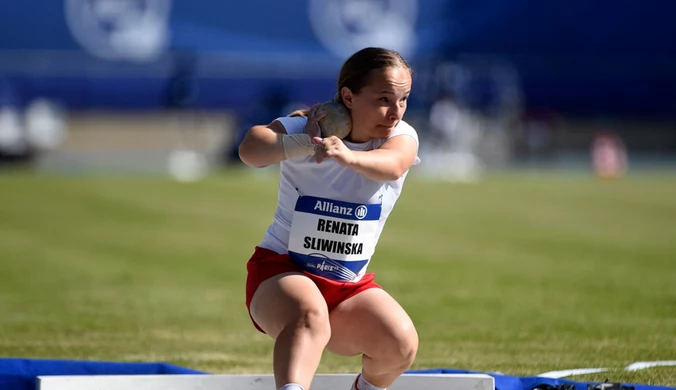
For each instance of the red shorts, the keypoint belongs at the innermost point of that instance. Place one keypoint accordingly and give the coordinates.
(265, 264)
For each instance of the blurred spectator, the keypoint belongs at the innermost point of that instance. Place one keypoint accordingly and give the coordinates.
(609, 155)
(182, 89)
(454, 134)
(444, 118)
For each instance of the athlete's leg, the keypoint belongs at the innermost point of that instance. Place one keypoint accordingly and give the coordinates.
(373, 324)
(290, 308)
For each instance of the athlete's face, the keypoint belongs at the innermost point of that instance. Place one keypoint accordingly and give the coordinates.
(380, 105)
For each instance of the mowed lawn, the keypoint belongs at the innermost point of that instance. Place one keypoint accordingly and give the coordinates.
(519, 274)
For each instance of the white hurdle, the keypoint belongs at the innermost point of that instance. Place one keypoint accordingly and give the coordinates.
(255, 382)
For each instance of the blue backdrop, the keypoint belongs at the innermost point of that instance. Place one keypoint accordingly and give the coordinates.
(600, 56)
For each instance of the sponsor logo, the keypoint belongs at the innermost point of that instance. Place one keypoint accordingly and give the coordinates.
(135, 30)
(345, 26)
(360, 212)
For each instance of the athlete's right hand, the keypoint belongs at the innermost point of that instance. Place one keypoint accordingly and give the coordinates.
(313, 130)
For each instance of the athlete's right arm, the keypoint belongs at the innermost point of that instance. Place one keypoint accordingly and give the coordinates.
(263, 145)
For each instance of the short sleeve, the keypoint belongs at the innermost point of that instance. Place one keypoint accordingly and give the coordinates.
(293, 124)
(404, 128)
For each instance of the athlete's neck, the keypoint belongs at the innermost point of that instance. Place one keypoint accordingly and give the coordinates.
(356, 137)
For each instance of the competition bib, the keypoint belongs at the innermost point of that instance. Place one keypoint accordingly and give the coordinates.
(331, 238)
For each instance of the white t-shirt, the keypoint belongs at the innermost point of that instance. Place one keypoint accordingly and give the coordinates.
(329, 217)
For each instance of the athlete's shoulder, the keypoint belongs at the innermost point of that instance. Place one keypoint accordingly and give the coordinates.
(403, 128)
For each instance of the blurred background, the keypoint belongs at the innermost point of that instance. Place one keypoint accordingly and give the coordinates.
(560, 113)
(171, 85)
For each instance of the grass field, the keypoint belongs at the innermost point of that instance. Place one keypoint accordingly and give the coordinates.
(517, 274)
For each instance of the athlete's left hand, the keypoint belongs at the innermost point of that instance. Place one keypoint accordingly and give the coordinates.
(333, 147)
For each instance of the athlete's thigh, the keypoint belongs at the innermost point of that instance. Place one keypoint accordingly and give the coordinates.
(369, 323)
(282, 299)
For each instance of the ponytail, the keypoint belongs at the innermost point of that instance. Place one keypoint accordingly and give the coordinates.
(301, 112)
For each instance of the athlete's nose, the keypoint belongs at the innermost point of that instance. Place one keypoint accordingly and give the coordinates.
(395, 112)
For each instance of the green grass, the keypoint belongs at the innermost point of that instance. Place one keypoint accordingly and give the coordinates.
(519, 274)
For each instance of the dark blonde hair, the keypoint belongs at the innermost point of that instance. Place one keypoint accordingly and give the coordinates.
(356, 70)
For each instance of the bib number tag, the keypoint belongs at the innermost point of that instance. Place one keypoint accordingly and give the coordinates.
(331, 238)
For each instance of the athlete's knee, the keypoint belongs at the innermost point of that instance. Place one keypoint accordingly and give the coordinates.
(315, 320)
(400, 345)
(407, 341)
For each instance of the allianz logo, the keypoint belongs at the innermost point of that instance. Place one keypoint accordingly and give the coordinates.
(360, 212)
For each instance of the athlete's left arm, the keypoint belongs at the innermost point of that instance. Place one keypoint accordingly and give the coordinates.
(389, 162)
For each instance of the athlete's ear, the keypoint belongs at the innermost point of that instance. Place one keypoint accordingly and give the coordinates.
(346, 94)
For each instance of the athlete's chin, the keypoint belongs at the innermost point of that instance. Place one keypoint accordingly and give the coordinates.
(385, 131)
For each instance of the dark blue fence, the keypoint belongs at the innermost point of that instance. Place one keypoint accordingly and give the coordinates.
(610, 57)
